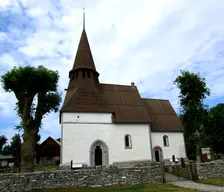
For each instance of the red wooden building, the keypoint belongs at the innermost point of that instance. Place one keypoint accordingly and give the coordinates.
(50, 148)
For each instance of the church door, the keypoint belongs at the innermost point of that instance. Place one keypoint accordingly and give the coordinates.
(157, 156)
(98, 155)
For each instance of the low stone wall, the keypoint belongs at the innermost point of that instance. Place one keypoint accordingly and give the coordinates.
(210, 169)
(97, 176)
(131, 164)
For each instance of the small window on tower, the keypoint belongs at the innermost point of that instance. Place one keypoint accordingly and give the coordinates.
(83, 73)
(88, 74)
(76, 75)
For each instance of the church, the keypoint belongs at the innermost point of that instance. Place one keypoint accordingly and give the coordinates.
(104, 124)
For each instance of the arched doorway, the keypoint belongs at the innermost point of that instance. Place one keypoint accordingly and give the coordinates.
(98, 156)
(157, 154)
(99, 153)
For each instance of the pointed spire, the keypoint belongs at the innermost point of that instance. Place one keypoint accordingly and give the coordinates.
(84, 58)
(84, 18)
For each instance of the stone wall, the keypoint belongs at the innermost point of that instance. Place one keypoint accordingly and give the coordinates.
(97, 176)
(210, 169)
(131, 164)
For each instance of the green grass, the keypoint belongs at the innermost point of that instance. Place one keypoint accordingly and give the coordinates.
(213, 181)
(180, 172)
(135, 188)
(183, 173)
(46, 168)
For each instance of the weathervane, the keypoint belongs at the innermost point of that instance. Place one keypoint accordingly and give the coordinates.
(83, 17)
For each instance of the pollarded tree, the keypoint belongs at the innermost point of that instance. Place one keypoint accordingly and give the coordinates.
(193, 91)
(28, 83)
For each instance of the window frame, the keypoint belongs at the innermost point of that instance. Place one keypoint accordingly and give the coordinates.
(129, 140)
(166, 141)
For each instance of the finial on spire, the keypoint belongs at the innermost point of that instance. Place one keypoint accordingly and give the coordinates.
(84, 18)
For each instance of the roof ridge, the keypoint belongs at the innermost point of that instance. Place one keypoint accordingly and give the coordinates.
(115, 84)
(155, 99)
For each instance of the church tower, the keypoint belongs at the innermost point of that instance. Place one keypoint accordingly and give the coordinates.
(83, 92)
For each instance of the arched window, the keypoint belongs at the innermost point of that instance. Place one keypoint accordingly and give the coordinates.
(127, 140)
(165, 141)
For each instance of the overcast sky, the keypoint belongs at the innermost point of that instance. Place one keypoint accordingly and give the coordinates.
(144, 41)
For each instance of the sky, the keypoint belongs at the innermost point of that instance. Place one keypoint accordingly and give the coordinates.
(147, 42)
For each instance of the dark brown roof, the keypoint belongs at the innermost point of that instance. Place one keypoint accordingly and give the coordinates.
(126, 103)
(84, 58)
(163, 116)
(85, 99)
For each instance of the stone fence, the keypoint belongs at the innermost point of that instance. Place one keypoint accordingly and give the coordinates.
(210, 169)
(143, 173)
(97, 176)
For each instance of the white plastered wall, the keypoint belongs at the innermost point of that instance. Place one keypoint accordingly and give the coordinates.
(176, 144)
(80, 130)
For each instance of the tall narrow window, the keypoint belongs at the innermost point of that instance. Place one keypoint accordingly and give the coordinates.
(165, 141)
(127, 140)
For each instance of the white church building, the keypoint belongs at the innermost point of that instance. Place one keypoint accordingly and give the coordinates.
(103, 124)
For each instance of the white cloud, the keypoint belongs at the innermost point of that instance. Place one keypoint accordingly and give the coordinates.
(146, 41)
(5, 3)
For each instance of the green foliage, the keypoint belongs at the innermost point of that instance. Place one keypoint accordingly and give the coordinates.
(214, 128)
(14, 148)
(3, 141)
(192, 88)
(6, 150)
(28, 82)
(194, 112)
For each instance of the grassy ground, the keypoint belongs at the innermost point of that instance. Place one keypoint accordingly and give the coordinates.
(213, 181)
(46, 168)
(180, 172)
(135, 188)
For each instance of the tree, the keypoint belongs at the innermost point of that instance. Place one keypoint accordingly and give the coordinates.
(193, 91)
(6, 150)
(14, 148)
(30, 83)
(58, 139)
(214, 128)
(3, 141)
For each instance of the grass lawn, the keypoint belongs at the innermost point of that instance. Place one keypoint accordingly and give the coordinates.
(46, 168)
(180, 172)
(213, 181)
(135, 188)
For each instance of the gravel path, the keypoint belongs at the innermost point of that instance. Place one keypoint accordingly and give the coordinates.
(198, 186)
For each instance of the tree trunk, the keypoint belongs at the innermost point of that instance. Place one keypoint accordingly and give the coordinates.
(28, 149)
(198, 153)
(198, 147)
